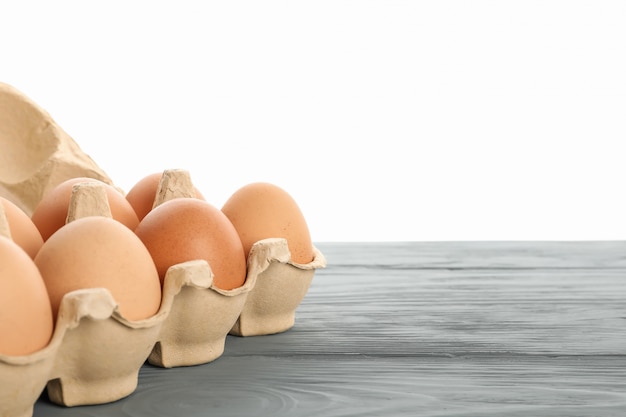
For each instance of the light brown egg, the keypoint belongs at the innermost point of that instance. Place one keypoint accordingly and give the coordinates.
(51, 212)
(23, 230)
(262, 210)
(26, 320)
(185, 229)
(142, 195)
(97, 251)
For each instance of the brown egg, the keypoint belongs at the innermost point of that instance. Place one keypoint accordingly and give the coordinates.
(185, 229)
(26, 320)
(142, 195)
(262, 210)
(51, 212)
(97, 251)
(23, 230)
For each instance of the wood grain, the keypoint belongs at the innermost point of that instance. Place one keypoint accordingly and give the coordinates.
(428, 329)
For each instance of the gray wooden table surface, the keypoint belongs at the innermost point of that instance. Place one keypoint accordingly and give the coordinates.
(421, 329)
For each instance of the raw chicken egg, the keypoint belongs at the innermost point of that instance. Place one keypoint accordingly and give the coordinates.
(50, 214)
(23, 230)
(185, 229)
(26, 320)
(98, 251)
(262, 210)
(143, 194)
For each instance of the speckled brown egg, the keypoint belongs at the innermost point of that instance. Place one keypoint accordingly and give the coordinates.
(23, 230)
(26, 320)
(142, 195)
(263, 210)
(97, 251)
(185, 229)
(51, 212)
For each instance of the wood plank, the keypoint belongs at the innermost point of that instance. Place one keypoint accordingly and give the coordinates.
(437, 329)
(573, 312)
(487, 254)
(353, 385)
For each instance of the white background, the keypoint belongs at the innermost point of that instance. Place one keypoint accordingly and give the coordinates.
(385, 120)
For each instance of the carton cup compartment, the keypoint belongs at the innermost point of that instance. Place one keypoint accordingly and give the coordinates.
(280, 286)
(23, 379)
(101, 352)
(199, 316)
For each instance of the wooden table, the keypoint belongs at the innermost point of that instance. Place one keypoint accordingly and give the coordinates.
(421, 329)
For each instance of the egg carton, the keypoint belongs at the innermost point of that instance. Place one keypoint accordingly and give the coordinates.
(36, 153)
(95, 354)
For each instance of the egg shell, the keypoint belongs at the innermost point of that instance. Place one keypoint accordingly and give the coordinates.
(144, 192)
(26, 326)
(280, 286)
(97, 251)
(21, 228)
(51, 212)
(263, 210)
(26, 320)
(186, 229)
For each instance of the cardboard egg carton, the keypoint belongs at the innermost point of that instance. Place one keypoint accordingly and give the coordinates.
(95, 354)
(36, 154)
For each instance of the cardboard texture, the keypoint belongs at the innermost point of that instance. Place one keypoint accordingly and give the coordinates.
(95, 354)
(199, 316)
(101, 352)
(37, 154)
(174, 183)
(23, 379)
(279, 289)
